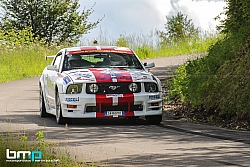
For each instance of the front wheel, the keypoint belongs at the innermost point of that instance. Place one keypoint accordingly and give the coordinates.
(59, 118)
(43, 112)
(154, 119)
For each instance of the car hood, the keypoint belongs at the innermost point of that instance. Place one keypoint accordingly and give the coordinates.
(107, 75)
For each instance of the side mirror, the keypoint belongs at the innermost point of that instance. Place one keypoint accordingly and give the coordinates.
(149, 65)
(51, 67)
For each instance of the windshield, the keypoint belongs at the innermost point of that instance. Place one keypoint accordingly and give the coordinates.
(101, 60)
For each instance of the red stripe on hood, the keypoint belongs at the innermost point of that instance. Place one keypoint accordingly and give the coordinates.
(122, 75)
(104, 75)
(101, 75)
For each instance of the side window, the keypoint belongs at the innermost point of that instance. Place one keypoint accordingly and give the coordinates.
(57, 60)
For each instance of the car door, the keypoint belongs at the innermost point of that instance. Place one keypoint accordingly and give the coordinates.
(51, 79)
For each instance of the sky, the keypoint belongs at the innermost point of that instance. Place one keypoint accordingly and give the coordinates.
(143, 16)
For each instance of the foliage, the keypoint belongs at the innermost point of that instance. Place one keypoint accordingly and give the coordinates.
(178, 27)
(18, 62)
(14, 37)
(237, 12)
(121, 42)
(54, 21)
(219, 82)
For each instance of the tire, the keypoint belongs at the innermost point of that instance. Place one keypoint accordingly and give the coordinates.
(42, 107)
(154, 119)
(59, 118)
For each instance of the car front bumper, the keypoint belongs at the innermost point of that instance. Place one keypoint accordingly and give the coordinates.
(111, 105)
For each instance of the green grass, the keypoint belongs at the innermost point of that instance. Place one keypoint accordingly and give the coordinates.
(52, 153)
(22, 62)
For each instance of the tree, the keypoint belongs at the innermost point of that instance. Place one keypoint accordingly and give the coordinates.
(179, 27)
(52, 20)
(237, 18)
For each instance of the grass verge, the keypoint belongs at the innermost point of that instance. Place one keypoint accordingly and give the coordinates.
(41, 153)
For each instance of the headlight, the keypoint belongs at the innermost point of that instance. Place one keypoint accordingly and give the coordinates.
(74, 89)
(151, 87)
(133, 87)
(93, 88)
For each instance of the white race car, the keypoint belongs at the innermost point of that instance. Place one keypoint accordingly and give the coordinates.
(99, 82)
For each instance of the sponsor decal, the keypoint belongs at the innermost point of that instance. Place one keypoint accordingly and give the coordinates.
(66, 80)
(59, 75)
(82, 76)
(72, 99)
(113, 77)
(96, 51)
(154, 97)
(136, 75)
(72, 72)
(114, 95)
(140, 76)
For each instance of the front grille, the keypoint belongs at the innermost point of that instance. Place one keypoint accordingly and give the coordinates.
(114, 108)
(113, 88)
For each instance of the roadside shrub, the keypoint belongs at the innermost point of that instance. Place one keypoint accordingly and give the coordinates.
(219, 82)
(13, 38)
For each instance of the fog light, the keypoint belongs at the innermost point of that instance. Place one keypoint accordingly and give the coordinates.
(71, 106)
(74, 89)
(154, 104)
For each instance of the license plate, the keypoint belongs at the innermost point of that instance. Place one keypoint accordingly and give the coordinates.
(114, 113)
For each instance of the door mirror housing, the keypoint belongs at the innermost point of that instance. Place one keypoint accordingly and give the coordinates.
(51, 67)
(149, 65)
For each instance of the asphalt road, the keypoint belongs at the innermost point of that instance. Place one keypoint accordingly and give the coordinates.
(122, 143)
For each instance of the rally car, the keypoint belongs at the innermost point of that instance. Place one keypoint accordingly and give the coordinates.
(99, 82)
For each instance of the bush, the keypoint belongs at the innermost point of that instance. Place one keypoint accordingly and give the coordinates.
(218, 81)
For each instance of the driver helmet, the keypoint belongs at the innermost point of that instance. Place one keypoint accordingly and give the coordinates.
(116, 60)
(75, 60)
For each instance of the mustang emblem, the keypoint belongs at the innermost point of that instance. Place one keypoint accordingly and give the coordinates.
(114, 87)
